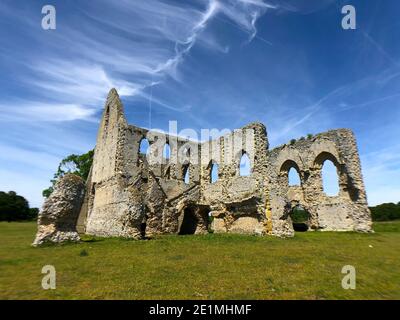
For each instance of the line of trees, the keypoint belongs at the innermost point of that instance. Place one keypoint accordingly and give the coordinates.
(15, 208)
(385, 212)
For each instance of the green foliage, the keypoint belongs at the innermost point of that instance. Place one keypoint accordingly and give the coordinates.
(309, 136)
(15, 208)
(299, 215)
(76, 164)
(33, 213)
(47, 192)
(385, 212)
(293, 141)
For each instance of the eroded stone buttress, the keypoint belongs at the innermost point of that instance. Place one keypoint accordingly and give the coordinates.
(58, 218)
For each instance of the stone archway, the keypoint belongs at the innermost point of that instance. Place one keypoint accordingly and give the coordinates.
(301, 218)
(189, 221)
(193, 220)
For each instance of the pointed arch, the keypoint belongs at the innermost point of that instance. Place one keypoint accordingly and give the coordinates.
(330, 173)
(214, 172)
(291, 171)
(244, 165)
(144, 146)
(186, 174)
(294, 177)
(330, 179)
(167, 151)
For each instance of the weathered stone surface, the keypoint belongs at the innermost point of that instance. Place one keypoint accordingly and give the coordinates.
(58, 217)
(130, 194)
(347, 211)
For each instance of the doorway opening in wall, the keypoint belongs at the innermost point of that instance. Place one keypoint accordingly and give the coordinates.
(143, 226)
(189, 222)
(300, 219)
(195, 218)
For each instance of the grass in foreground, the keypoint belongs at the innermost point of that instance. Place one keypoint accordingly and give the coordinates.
(307, 266)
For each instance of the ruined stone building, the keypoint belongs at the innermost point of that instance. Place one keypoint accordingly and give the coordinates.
(128, 194)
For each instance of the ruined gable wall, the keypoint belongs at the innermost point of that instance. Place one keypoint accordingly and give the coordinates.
(115, 208)
(345, 212)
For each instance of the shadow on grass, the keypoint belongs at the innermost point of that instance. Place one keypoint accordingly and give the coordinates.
(88, 238)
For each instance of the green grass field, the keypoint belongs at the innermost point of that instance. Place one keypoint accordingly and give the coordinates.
(307, 266)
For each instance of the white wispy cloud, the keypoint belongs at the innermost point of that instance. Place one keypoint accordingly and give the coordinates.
(128, 45)
(31, 111)
(78, 82)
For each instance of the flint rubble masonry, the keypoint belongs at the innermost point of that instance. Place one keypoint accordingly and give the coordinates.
(126, 195)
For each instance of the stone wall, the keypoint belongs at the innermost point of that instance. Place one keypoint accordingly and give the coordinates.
(347, 211)
(237, 203)
(58, 218)
(130, 194)
(129, 191)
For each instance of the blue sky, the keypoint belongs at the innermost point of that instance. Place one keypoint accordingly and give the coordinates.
(205, 63)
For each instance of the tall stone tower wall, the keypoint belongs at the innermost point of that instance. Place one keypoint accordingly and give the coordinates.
(112, 208)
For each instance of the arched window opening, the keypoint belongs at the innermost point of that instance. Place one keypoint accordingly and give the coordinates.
(294, 177)
(330, 179)
(144, 146)
(245, 166)
(186, 175)
(167, 151)
(214, 172)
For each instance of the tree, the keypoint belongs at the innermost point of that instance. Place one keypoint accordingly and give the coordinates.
(385, 212)
(33, 213)
(76, 164)
(13, 207)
